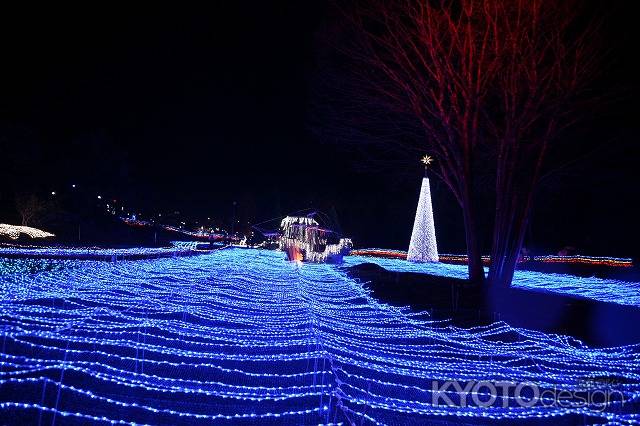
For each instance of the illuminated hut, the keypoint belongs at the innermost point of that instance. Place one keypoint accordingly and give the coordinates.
(303, 239)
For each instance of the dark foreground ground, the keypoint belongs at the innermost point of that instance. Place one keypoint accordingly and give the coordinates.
(595, 323)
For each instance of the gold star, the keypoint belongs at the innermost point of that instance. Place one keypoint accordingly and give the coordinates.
(427, 160)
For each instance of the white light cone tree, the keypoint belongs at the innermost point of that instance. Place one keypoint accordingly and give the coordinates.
(423, 246)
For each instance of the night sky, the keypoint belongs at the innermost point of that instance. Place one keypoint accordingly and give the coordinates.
(193, 109)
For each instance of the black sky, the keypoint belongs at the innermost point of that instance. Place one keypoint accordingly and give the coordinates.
(190, 109)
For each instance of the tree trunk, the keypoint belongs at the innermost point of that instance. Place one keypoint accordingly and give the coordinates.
(510, 227)
(474, 255)
(514, 198)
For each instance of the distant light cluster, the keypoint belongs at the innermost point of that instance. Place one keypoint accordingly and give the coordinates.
(200, 234)
(243, 335)
(14, 231)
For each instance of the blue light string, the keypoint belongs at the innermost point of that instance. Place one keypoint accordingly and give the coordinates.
(251, 336)
(602, 289)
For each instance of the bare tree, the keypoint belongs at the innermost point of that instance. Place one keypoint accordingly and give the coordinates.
(550, 59)
(489, 84)
(30, 207)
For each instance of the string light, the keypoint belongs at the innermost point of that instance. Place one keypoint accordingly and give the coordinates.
(462, 259)
(177, 248)
(423, 246)
(243, 334)
(602, 289)
(586, 260)
(14, 231)
(374, 252)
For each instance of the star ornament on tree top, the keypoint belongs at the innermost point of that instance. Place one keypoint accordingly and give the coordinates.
(427, 160)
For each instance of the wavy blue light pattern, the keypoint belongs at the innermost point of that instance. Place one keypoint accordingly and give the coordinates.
(242, 335)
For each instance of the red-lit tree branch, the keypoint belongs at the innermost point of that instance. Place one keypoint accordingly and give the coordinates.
(490, 83)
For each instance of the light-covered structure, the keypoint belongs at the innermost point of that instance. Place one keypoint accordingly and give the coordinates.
(14, 231)
(303, 239)
(423, 246)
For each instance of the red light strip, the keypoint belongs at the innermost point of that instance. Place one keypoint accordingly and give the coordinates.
(462, 259)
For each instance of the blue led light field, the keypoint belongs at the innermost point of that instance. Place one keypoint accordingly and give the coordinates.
(604, 290)
(240, 336)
